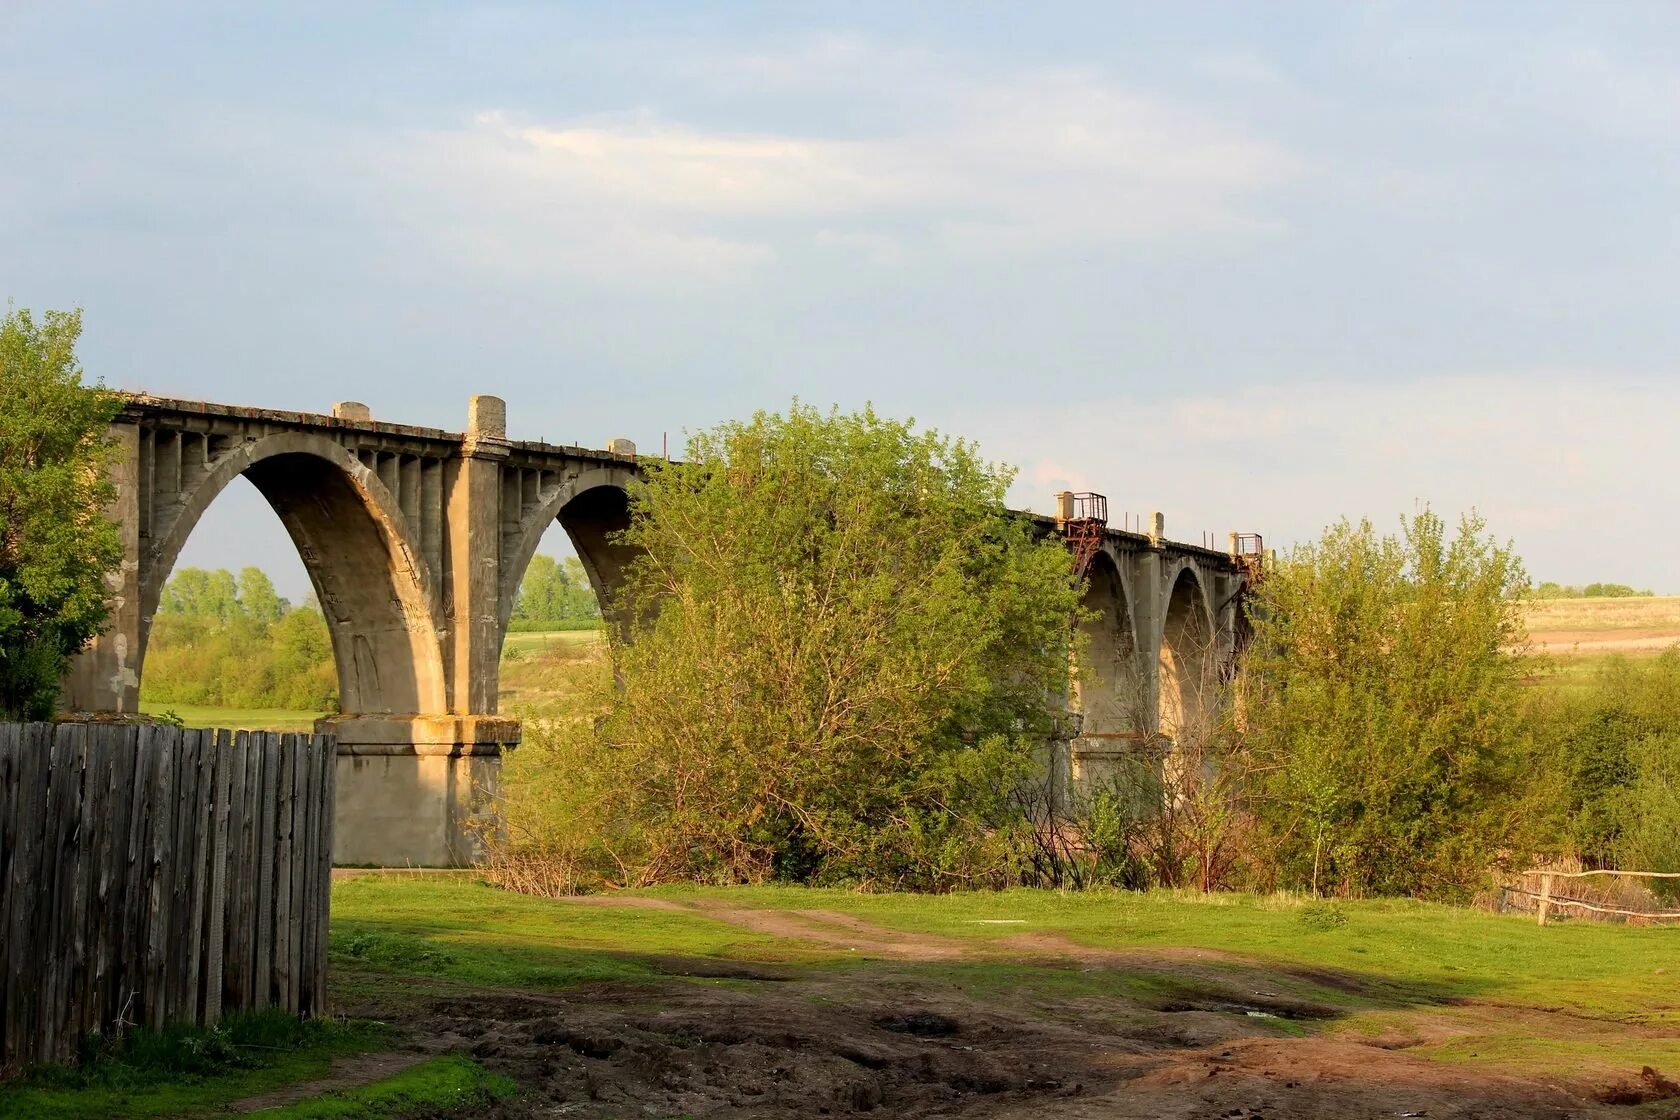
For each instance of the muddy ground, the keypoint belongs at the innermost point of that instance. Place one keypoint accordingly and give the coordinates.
(902, 1034)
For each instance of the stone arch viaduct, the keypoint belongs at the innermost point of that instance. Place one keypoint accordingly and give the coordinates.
(416, 539)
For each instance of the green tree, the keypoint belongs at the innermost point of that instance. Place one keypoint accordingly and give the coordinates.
(553, 594)
(1382, 701)
(199, 593)
(56, 545)
(234, 642)
(840, 663)
(1607, 744)
(258, 600)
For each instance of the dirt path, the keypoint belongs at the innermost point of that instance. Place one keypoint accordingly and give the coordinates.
(841, 931)
(347, 1073)
(1154, 1034)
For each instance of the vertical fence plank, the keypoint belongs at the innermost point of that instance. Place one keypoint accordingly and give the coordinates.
(12, 795)
(263, 971)
(329, 778)
(91, 833)
(131, 967)
(180, 870)
(232, 916)
(196, 859)
(282, 872)
(306, 853)
(160, 881)
(294, 930)
(56, 932)
(23, 892)
(221, 808)
(121, 797)
(20, 892)
(246, 901)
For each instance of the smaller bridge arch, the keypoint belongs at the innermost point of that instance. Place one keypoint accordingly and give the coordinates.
(1188, 661)
(1109, 687)
(591, 506)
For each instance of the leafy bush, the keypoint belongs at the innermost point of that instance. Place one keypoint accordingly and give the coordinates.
(845, 673)
(1382, 704)
(1323, 916)
(1604, 750)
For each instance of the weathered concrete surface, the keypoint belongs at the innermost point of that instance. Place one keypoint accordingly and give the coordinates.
(417, 791)
(414, 811)
(416, 540)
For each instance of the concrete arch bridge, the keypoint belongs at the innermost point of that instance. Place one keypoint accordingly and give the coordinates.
(416, 540)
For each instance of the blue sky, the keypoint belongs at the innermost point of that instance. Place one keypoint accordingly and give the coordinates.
(1255, 266)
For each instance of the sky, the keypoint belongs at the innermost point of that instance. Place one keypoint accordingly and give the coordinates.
(1254, 266)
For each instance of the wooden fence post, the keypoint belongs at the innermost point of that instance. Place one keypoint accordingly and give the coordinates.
(1545, 897)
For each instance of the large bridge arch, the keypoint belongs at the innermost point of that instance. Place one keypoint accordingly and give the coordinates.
(361, 559)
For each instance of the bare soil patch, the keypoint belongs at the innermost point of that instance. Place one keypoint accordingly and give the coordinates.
(902, 1034)
(880, 1041)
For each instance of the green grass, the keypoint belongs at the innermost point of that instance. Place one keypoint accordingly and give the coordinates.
(1444, 951)
(455, 928)
(1466, 985)
(181, 1072)
(460, 929)
(452, 1083)
(250, 719)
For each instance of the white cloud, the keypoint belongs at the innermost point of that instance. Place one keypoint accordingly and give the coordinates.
(956, 162)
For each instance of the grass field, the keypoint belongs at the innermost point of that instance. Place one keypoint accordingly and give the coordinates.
(716, 989)
(1639, 613)
(248, 719)
(523, 643)
(1578, 636)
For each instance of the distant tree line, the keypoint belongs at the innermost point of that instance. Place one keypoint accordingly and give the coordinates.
(1551, 590)
(555, 595)
(232, 641)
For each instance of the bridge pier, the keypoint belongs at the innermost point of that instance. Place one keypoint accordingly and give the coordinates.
(416, 790)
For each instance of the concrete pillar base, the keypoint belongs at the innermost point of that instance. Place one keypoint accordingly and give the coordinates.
(416, 791)
(1120, 763)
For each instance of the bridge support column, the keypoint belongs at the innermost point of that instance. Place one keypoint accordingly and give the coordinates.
(105, 677)
(473, 539)
(1150, 619)
(416, 790)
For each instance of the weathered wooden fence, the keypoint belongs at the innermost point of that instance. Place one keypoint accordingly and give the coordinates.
(1621, 901)
(152, 875)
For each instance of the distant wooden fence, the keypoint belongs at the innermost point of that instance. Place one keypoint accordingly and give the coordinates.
(1603, 906)
(153, 875)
